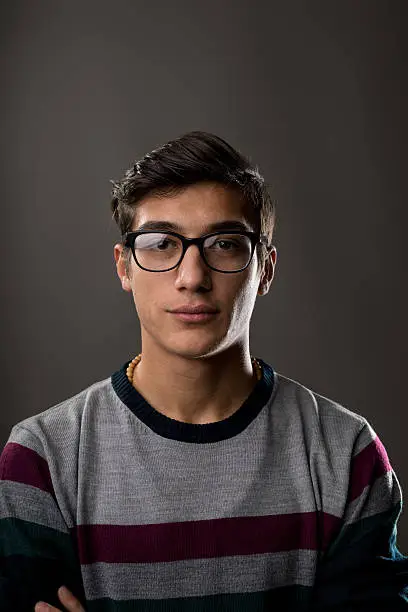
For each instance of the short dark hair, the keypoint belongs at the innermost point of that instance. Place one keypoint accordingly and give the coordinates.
(192, 158)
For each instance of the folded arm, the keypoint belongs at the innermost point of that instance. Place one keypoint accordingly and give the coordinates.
(362, 569)
(37, 552)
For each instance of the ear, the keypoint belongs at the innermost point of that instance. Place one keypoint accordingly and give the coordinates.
(268, 272)
(121, 267)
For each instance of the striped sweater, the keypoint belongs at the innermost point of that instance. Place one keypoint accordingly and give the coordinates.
(288, 504)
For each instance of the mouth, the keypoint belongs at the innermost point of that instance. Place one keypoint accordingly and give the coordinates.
(195, 318)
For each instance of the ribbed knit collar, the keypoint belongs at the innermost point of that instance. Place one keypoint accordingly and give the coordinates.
(192, 432)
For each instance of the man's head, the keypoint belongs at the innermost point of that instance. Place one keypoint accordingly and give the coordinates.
(194, 182)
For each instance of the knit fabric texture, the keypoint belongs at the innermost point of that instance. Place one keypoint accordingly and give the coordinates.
(289, 504)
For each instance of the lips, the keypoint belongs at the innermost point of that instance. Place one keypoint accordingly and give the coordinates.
(197, 309)
(196, 317)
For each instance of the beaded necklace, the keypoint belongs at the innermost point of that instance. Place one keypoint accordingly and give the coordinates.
(129, 372)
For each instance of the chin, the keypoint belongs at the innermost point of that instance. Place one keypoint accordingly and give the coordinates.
(195, 351)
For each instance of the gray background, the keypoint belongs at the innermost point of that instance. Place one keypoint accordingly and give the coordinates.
(314, 92)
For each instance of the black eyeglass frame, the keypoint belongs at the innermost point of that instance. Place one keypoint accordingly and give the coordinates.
(128, 240)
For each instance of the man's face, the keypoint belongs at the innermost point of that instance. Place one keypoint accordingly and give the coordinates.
(157, 293)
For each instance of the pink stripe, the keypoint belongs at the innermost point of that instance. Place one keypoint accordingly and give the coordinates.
(21, 464)
(202, 539)
(370, 463)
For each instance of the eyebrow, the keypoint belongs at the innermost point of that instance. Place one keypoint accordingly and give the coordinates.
(220, 225)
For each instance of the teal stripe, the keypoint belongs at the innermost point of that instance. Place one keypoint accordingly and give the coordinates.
(364, 568)
(34, 562)
(295, 598)
(382, 526)
(19, 537)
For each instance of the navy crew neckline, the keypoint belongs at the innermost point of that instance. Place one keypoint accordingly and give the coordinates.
(196, 432)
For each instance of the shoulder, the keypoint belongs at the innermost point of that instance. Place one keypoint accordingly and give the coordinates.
(344, 453)
(61, 424)
(308, 399)
(324, 419)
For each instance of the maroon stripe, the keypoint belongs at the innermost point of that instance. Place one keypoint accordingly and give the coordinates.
(370, 463)
(201, 539)
(21, 464)
(330, 527)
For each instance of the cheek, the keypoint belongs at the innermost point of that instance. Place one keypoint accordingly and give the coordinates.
(143, 296)
(243, 300)
(151, 301)
(242, 306)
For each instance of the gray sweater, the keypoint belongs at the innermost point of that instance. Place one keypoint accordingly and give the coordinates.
(289, 504)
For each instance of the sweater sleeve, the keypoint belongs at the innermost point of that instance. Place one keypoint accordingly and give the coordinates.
(362, 569)
(37, 550)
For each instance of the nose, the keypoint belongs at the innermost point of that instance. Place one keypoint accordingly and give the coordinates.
(192, 271)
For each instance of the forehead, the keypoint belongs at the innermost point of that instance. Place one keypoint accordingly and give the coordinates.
(196, 208)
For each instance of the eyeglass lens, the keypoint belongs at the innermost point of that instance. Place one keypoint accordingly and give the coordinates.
(160, 251)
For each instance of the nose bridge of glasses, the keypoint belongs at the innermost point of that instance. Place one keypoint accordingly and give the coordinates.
(198, 242)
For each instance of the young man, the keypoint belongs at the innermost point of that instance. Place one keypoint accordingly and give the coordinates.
(196, 477)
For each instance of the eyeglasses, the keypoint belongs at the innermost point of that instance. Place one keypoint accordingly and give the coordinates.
(226, 252)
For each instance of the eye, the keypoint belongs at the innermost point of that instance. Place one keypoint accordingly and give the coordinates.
(165, 242)
(228, 243)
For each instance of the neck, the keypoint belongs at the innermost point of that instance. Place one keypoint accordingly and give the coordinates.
(195, 390)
